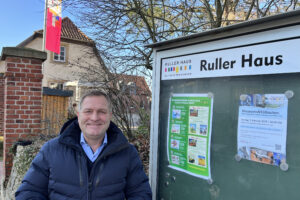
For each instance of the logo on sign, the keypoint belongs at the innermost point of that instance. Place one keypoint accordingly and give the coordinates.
(178, 66)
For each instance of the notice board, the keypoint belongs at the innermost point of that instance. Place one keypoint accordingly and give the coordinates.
(232, 179)
(228, 69)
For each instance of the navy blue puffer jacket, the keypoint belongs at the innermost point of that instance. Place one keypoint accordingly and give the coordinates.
(59, 171)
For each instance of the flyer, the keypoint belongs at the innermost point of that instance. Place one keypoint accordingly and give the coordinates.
(262, 128)
(189, 133)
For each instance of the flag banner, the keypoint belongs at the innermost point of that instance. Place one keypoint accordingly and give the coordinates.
(53, 28)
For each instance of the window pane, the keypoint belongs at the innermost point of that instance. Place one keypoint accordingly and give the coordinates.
(62, 53)
(61, 56)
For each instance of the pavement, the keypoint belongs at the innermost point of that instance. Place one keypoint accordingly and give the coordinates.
(1, 169)
(1, 184)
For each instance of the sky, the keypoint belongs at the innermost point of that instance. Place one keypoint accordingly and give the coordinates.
(20, 18)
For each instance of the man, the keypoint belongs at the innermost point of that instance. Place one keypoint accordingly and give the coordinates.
(91, 159)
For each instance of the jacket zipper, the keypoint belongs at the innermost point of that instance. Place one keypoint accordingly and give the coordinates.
(80, 159)
(103, 157)
(89, 178)
(98, 175)
(80, 169)
(89, 185)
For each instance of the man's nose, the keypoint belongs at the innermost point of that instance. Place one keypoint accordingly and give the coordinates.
(94, 116)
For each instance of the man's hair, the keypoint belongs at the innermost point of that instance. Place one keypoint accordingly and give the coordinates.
(97, 93)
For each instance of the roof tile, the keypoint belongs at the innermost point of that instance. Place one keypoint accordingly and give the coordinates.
(70, 31)
(140, 82)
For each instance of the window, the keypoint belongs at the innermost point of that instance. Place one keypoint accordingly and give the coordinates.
(54, 85)
(132, 88)
(60, 57)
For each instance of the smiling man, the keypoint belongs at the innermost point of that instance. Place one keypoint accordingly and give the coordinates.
(94, 118)
(91, 159)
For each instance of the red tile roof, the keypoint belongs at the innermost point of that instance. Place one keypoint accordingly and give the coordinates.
(70, 31)
(140, 82)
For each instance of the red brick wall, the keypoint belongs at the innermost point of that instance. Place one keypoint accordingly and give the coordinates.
(1, 104)
(23, 103)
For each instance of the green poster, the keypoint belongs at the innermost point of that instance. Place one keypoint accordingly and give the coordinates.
(189, 133)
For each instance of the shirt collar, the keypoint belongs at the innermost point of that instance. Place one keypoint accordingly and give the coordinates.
(82, 140)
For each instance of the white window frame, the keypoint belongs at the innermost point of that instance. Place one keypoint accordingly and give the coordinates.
(62, 56)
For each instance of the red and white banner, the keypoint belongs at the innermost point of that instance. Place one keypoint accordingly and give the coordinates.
(53, 26)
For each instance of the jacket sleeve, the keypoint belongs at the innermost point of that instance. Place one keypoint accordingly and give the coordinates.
(137, 187)
(35, 183)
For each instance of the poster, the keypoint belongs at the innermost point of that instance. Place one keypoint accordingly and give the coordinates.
(189, 133)
(262, 128)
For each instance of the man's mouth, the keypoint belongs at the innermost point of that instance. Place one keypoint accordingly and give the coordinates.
(94, 124)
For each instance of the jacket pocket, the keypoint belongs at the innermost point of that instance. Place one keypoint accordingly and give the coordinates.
(113, 189)
(58, 190)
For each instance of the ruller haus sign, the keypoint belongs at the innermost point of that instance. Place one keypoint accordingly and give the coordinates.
(263, 58)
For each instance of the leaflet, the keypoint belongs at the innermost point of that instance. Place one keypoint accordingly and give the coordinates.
(262, 128)
(189, 133)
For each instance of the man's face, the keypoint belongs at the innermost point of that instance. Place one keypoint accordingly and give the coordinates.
(94, 117)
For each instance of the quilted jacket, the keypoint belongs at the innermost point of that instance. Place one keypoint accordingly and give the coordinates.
(59, 171)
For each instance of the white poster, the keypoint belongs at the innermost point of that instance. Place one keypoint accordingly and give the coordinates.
(262, 128)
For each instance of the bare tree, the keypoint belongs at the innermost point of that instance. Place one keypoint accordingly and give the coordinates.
(122, 28)
(130, 95)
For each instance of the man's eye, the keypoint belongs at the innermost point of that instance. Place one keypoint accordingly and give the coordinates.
(87, 111)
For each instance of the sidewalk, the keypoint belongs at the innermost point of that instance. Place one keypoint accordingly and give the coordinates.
(1, 169)
(1, 175)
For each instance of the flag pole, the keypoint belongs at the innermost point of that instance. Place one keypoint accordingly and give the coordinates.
(45, 25)
(44, 32)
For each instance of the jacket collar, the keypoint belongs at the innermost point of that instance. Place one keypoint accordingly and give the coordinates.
(70, 136)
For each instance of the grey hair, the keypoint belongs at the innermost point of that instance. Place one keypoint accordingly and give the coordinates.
(97, 93)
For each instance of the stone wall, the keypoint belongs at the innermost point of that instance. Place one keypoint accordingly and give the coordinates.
(22, 160)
